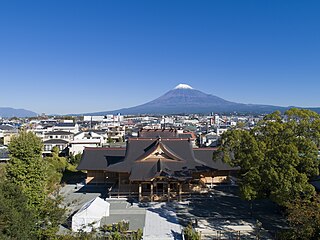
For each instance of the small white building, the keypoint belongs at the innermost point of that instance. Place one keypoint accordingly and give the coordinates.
(116, 132)
(86, 139)
(90, 214)
(61, 139)
(4, 154)
(68, 126)
(221, 129)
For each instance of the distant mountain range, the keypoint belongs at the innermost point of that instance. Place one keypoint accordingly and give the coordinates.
(183, 99)
(7, 112)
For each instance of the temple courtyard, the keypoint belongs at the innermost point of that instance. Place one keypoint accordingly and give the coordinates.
(219, 214)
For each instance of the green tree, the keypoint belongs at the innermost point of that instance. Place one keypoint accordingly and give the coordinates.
(17, 221)
(277, 157)
(26, 168)
(304, 220)
(55, 166)
(51, 216)
(28, 171)
(190, 233)
(75, 159)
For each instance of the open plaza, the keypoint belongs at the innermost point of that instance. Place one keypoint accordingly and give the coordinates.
(219, 214)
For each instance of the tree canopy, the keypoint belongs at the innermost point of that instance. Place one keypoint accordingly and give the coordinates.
(16, 219)
(277, 157)
(26, 168)
(304, 220)
(33, 176)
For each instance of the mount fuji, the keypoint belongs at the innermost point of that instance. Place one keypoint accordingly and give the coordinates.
(184, 99)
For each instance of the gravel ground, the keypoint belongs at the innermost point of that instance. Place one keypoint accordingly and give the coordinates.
(220, 214)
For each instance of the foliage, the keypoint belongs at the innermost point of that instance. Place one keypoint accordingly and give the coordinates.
(190, 233)
(2, 170)
(277, 158)
(121, 227)
(116, 231)
(138, 234)
(27, 171)
(241, 125)
(304, 219)
(26, 168)
(75, 159)
(51, 216)
(55, 167)
(16, 219)
(66, 118)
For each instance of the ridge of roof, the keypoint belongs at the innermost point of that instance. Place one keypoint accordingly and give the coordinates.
(105, 148)
(154, 146)
(157, 129)
(150, 139)
(55, 140)
(169, 151)
(59, 132)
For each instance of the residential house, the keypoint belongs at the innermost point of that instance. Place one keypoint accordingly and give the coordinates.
(6, 133)
(60, 139)
(4, 154)
(116, 132)
(67, 126)
(86, 139)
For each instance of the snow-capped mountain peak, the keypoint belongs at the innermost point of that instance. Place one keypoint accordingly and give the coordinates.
(183, 86)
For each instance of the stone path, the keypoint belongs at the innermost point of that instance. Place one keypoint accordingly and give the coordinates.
(161, 224)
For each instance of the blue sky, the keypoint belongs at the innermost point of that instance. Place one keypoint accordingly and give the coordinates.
(85, 56)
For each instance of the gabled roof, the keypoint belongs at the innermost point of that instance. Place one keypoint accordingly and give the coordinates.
(140, 160)
(155, 133)
(149, 170)
(59, 133)
(98, 158)
(55, 141)
(190, 135)
(206, 156)
(7, 127)
(65, 124)
(158, 147)
(180, 150)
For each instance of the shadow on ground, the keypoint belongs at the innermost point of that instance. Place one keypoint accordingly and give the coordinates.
(164, 212)
(223, 206)
(70, 177)
(101, 189)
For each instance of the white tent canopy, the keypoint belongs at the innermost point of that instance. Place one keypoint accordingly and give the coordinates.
(90, 215)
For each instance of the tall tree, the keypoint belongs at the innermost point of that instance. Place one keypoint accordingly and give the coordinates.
(26, 167)
(277, 157)
(28, 171)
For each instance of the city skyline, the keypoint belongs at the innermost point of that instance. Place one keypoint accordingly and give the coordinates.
(75, 57)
